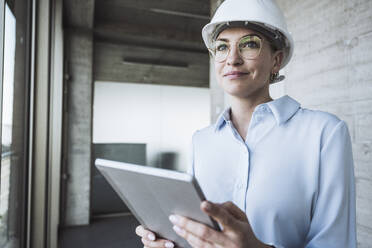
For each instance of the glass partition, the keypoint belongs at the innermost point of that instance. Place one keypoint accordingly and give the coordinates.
(14, 121)
(7, 121)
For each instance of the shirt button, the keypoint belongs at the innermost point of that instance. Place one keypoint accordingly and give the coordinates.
(244, 148)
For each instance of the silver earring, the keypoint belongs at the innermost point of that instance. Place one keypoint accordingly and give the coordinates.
(274, 78)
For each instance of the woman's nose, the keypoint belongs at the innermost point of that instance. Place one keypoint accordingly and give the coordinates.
(234, 58)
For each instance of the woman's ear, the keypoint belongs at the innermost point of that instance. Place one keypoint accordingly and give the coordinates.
(277, 60)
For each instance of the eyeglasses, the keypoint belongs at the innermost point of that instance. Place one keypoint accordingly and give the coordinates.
(249, 48)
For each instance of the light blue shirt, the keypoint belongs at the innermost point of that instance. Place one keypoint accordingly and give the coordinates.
(293, 175)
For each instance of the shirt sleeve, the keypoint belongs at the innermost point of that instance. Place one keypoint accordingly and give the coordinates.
(333, 215)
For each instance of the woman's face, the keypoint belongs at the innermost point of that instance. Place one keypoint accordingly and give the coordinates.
(246, 78)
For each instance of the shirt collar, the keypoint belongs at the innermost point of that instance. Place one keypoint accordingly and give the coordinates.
(222, 119)
(282, 108)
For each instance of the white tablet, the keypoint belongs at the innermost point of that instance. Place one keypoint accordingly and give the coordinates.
(152, 194)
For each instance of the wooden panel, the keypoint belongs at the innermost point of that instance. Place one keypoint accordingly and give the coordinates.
(109, 66)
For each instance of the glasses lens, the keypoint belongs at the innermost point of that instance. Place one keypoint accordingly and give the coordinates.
(250, 46)
(221, 50)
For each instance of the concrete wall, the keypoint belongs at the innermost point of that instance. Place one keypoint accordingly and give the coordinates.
(164, 117)
(332, 70)
(80, 84)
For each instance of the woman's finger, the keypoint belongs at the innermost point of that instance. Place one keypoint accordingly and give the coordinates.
(160, 243)
(202, 231)
(193, 240)
(144, 233)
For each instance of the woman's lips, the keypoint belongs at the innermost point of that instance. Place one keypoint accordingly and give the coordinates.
(235, 74)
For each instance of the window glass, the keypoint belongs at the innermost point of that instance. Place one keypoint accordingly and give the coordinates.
(7, 124)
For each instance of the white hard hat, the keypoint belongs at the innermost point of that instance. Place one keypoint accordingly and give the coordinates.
(265, 14)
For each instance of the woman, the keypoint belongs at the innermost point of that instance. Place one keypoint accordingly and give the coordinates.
(279, 175)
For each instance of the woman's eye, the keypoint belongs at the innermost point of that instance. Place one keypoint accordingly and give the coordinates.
(250, 44)
(221, 47)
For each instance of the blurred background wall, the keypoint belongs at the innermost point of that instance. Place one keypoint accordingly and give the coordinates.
(164, 117)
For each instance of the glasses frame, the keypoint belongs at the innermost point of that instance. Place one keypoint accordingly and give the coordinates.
(213, 51)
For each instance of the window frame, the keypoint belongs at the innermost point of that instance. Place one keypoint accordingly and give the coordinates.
(37, 172)
(2, 27)
(19, 197)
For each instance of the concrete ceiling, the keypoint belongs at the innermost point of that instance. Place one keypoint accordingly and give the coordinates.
(165, 23)
(164, 34)
(147, 41)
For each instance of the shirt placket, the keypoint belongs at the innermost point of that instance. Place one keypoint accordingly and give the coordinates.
(241, 184)
(257, 117)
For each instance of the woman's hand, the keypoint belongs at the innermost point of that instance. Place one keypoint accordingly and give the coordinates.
(149, 239)
(237, 232)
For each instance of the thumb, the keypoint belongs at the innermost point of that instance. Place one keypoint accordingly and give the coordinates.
(235, 211)
(220, 214)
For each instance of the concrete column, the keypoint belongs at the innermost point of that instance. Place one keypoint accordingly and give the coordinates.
(79, 53)
(217, 94)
